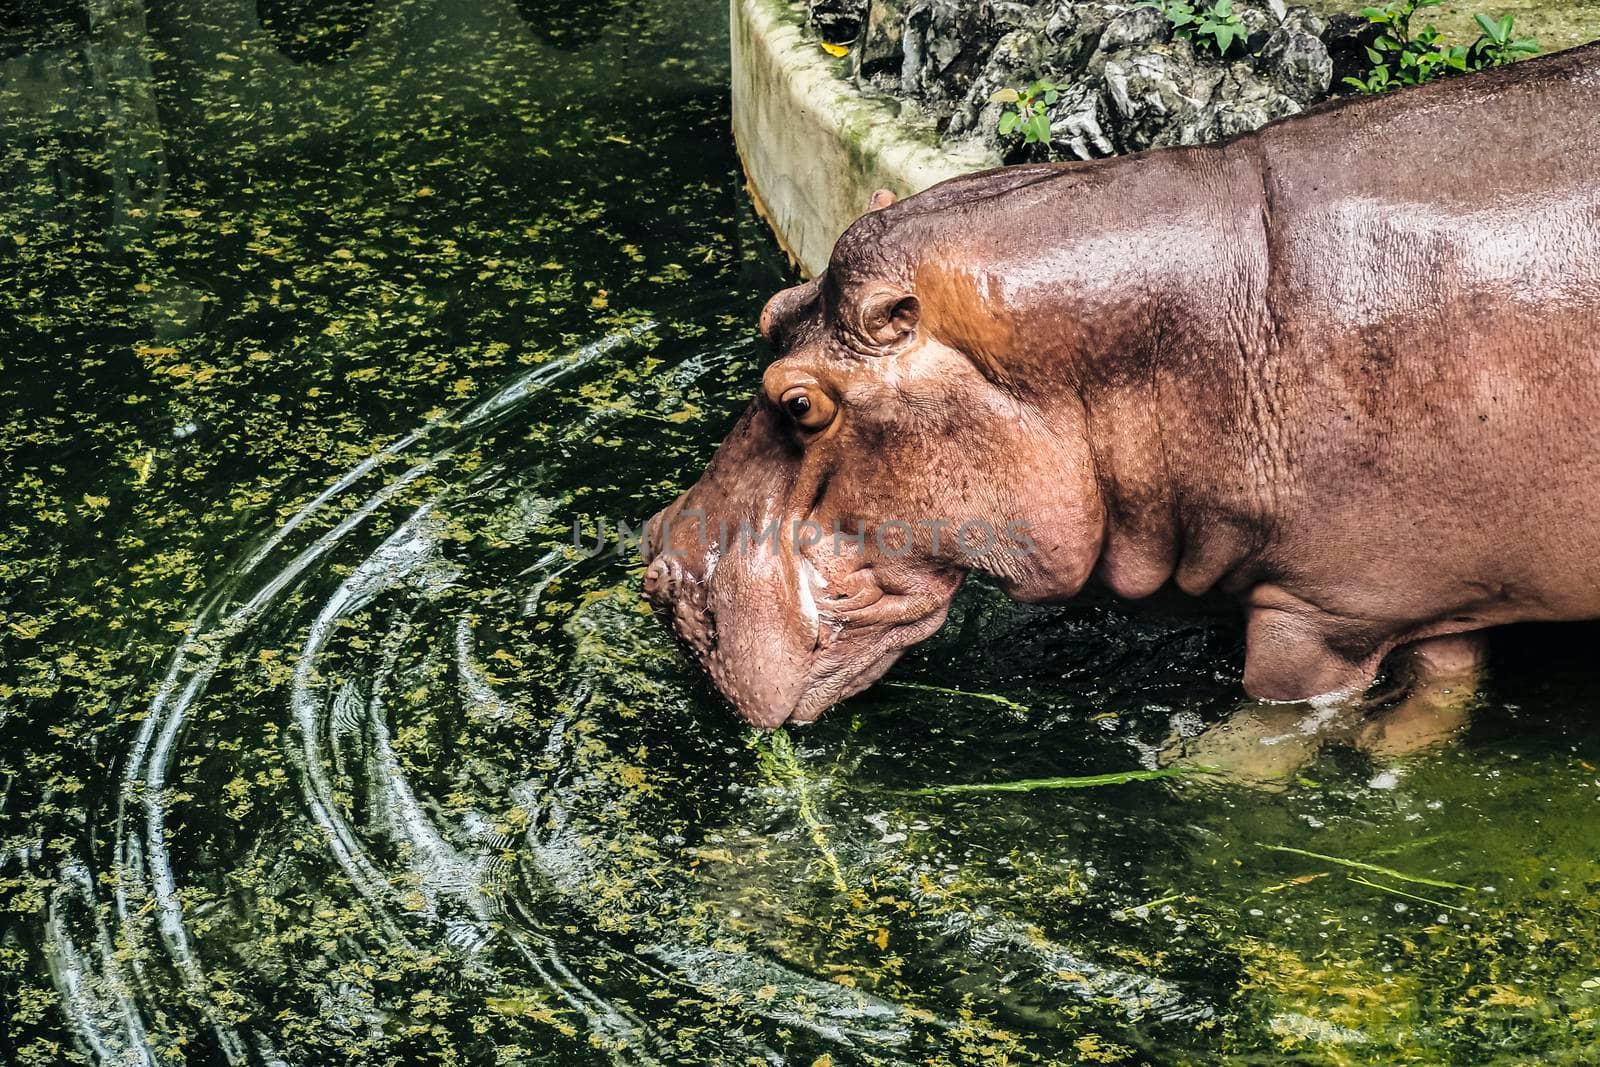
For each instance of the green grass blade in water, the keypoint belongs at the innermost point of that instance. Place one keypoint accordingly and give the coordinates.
(1391, 890)
(992, 698)
(1359, 865)
(1088, 781)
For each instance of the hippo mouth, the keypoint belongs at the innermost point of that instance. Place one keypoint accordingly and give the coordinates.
(855, 645)
(784, 634)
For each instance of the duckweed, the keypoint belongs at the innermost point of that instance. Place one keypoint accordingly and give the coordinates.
(321, 742)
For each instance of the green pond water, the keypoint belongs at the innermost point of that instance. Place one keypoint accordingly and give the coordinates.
(321, 744)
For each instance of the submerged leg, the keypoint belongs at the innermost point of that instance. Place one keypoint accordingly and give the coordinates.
(1263, 744)
(1444, 676)
(1292, 654)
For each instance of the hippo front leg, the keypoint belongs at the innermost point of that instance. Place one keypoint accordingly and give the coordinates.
(1305, 694)
(1266, 742)
(1443, 676)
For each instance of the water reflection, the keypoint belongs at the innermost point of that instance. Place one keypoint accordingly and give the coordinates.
(35, 25)
(315, 31)
(569, 23)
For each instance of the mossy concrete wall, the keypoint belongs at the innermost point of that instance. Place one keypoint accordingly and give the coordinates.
(814, 149)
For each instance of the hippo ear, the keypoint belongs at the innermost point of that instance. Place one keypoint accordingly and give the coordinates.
(890, 317)
(881, 199)
(784, 306)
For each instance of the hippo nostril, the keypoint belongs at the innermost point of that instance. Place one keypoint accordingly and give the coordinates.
(657, 580)
(664, 581)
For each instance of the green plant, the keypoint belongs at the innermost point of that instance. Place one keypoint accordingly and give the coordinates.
(1220, 26)
(1402, 57)
(1217, 26)
(1027, 113)
(1376, 81)
(1496, 47)
(1180, 15)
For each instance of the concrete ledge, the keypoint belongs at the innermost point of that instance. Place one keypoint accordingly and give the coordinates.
(814, 150)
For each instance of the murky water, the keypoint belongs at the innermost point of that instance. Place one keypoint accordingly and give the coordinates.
(320, 743)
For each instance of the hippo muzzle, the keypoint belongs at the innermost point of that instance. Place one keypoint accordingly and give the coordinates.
(774, 607)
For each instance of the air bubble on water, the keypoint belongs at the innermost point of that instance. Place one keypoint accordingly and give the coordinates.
(1147, 755)
(1388, 779)
(1187, 723)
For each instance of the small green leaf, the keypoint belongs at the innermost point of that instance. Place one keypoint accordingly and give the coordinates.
(1008, 122)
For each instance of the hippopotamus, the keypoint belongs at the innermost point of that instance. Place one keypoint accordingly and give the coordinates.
(1344, 370)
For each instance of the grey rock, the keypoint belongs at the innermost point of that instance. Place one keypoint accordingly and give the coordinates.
(838, 21)
(1297, 63)
(1077, 123)
(1260, 20)
(1168, 95)
(1062, 19)
(1074, 31)
(1126, 83)
(1157, 94)
(1304, 20)
(880, 49)
(1011, 15)
(945, 44)
(1135, 28)
(1241, 102)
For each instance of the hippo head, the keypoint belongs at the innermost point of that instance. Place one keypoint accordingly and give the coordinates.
(888, 453)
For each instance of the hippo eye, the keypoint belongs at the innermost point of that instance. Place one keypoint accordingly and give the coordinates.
(810, 409)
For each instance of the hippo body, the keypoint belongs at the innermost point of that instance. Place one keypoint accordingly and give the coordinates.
(1345, 368)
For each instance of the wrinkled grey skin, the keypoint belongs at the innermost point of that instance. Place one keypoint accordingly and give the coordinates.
(1345, 369)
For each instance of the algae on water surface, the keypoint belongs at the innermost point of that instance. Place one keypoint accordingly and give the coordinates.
(319, 741)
